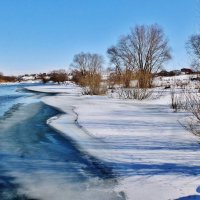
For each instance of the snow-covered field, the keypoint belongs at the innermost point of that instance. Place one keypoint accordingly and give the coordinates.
(152, 155)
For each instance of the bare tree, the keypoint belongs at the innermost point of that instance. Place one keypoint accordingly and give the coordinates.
(87, 71)
(87, 62)
(143, 51)
(193, 48)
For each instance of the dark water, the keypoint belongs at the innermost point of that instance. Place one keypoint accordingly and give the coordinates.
(13, 94)
(36, 162)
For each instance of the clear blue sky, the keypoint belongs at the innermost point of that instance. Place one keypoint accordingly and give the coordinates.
(41, 35)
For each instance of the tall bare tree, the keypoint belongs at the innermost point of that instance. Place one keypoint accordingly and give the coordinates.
(87, 62)
(142, 51)
(87, 71)
(193, 48)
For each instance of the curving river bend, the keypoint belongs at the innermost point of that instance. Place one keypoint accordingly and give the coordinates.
(37, 163)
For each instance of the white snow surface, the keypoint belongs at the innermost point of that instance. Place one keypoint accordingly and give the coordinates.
(153, 155)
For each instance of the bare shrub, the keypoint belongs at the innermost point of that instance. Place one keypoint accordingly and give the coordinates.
(114, 78)
(120, 77)
(178, 99)
(192, 105)
(175, 100)
(144, 78)
(134, 93)
(156, 94)
(126, 77)
(192, 125)
(92, 84)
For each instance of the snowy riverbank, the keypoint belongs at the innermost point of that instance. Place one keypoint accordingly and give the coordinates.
(151, 153)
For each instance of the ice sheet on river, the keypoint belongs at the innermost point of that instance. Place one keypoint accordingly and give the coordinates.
(38, 163)
(150, 152)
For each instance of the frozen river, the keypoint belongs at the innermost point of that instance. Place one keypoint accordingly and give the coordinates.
(36, 162)
(57, 144)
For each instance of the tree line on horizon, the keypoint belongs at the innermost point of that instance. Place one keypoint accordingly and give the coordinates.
(4, 78)
(137, 55)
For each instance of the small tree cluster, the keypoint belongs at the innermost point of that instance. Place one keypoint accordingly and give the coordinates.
(58, 76)
(87, 72)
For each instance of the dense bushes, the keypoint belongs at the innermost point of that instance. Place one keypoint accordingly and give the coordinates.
(58, 76)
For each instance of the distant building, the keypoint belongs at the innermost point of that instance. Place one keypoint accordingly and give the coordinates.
(186, 70)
